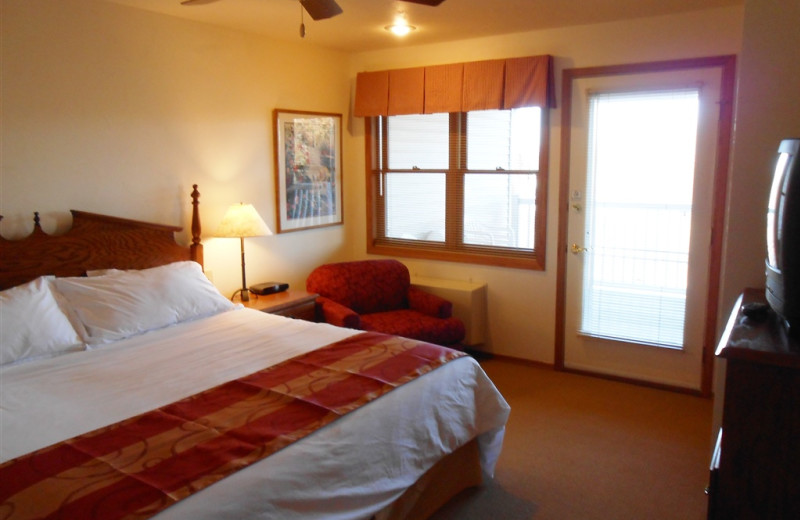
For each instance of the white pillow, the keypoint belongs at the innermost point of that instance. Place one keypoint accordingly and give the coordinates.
(121, 304)
(32, 325)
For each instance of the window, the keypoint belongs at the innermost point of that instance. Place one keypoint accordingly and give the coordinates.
(466, 187)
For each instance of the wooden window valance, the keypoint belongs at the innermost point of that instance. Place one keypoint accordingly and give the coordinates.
(457, 87)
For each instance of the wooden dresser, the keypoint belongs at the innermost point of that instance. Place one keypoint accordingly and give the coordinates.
(755, 471)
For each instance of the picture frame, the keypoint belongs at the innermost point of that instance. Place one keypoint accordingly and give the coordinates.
(308, 169)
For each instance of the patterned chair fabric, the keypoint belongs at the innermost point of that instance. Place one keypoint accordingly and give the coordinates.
(377, 295)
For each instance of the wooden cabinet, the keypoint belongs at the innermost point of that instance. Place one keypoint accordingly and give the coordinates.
(291, 303)
(756, 467)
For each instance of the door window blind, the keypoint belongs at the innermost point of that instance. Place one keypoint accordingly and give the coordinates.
(638, 204)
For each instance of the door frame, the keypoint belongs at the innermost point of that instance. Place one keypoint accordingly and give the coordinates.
(727, 64)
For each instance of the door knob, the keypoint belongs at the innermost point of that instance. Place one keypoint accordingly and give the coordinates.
(578, 249)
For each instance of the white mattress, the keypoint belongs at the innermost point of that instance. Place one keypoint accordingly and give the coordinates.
(349, 469)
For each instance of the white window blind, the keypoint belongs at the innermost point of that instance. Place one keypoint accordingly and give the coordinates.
(500, 208)
(415, 206)
(504, 139)
(638, 206)
(419, 141)
(415, 201)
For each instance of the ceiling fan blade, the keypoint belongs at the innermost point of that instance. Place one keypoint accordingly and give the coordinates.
(321, 9)
(432, 3)
(197, 2)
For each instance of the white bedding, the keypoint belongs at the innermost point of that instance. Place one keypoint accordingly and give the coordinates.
(349, 469)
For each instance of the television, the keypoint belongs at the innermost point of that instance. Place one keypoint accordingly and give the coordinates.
(783, 236)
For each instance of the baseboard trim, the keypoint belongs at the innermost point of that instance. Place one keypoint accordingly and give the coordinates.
(638, 382)
(482, 356)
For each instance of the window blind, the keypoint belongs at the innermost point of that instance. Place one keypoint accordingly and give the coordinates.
(638, 204)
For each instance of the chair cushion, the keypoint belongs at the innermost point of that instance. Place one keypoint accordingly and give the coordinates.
(413, 324)
(365, 286)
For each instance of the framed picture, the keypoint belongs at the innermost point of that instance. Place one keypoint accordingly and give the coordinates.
(308, 169)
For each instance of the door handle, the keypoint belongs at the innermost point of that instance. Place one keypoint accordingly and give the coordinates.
(576, 249)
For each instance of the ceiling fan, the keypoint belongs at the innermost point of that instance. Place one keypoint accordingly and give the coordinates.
(320, 9)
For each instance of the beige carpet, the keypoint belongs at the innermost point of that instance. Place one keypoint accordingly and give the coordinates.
(585, 448)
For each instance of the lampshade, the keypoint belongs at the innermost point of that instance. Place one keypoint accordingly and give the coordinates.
(242, 220)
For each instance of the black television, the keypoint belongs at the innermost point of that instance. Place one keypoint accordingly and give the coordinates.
(783, 236)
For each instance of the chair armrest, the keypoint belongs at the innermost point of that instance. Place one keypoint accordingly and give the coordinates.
(428, 303)
(337, 314)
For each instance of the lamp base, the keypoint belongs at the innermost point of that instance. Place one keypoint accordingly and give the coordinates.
(243, 294)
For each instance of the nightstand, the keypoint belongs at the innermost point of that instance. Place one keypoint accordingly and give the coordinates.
(291, 303)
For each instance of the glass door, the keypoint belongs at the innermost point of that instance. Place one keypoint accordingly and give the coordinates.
(641, 190)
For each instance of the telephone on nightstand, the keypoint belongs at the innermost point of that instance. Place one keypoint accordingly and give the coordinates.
(268, 288)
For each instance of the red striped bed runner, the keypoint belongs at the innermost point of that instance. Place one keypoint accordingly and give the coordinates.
(140, 466)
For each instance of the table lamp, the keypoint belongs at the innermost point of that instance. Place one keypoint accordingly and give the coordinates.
(240, 221)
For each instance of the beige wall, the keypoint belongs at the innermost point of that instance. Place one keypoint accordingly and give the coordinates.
(767, 110)
(117, 110)
(522, 303)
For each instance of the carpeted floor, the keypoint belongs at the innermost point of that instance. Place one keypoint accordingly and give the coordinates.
(585, 448)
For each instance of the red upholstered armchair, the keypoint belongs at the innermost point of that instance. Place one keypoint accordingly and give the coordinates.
(377, 295)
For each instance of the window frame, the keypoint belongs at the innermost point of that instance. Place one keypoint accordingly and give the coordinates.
(450, 250)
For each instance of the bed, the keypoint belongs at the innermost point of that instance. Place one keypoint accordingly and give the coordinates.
(122, 326)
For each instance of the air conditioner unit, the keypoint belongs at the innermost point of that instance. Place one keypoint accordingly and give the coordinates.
(469, 303)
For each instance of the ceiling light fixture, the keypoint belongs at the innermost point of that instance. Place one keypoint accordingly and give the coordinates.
(400, 26)
(400, 29)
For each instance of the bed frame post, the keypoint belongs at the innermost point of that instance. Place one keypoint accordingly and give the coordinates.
(196, 249)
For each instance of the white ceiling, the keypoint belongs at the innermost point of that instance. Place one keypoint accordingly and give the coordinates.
(361, 26)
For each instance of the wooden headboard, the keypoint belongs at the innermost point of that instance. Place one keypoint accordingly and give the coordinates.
(96, 242)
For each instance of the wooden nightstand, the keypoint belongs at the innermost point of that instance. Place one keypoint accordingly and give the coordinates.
(291, 303)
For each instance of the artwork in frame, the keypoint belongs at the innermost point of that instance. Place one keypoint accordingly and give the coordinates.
(308, 169)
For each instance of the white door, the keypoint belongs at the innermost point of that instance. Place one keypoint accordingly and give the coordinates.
(642, 162)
